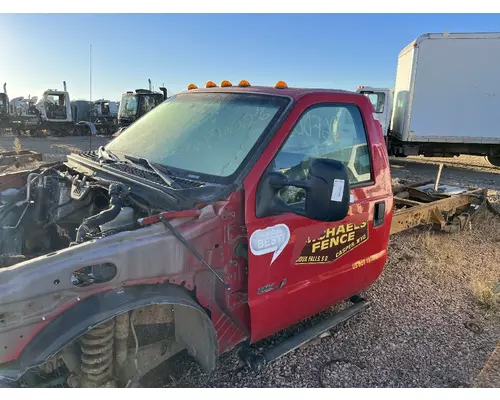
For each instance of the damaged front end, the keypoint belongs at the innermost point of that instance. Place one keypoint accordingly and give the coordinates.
(95, 289)
(54, 209)
(154, 218)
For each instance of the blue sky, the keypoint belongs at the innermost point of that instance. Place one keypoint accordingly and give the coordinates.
(318, 50)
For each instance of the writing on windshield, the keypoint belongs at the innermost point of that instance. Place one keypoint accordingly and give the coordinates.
(208, 133)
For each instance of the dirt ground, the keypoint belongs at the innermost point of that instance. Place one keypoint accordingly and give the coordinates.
(432, 323)
(55, 148)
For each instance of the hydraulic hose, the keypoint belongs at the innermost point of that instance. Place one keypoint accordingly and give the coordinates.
(115, 205)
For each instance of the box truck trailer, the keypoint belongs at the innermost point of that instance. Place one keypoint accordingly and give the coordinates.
(446, 97)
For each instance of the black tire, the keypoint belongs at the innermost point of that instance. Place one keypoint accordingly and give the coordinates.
(494, 160)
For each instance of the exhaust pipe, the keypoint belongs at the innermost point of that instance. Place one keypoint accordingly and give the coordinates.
(64, 85)
(5, 87)
(164, 90)
(149, 80)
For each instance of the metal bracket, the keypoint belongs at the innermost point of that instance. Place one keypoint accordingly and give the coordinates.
(183, 240)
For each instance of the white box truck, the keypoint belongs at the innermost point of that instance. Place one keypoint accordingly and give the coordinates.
(446, 100)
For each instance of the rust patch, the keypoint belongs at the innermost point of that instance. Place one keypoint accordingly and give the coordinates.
(154, 314)
(429, 213)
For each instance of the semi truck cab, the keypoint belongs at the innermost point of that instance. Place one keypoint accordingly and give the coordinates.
(382, 102)
(133, 106)
(234, 212)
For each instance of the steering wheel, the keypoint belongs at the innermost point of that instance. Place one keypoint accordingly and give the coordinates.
(291, 194)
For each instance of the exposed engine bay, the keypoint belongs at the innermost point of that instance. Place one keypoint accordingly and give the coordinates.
(59, 207)
(113, 332)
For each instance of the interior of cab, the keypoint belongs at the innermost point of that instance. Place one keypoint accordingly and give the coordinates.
(342, 138)
(55, 106)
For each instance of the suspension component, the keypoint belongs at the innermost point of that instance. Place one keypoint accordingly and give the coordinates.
(121, 338)
(97, 347)
(51, 365)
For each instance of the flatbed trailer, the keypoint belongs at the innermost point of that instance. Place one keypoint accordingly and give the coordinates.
(448, 208)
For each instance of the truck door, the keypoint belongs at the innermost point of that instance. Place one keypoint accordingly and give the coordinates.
(382, 104)
(299, 266)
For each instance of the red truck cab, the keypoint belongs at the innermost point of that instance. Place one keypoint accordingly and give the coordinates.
(299, 220)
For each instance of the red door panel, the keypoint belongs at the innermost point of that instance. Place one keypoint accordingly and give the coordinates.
(298, 266)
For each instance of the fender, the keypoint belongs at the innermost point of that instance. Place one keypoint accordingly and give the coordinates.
(194, 328)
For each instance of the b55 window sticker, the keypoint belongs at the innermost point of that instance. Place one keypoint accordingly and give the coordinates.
(335, 242)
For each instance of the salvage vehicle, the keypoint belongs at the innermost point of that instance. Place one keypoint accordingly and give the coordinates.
(52, 114)
(134, 105)
(445, 98)
(105, 116)
(202, 228)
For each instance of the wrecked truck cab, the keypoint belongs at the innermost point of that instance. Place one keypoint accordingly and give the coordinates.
(201, 227)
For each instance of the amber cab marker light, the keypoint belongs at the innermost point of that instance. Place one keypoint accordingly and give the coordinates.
(244, 83)
(225, 84)
(192, 86)
(281, 85)
(210, 84)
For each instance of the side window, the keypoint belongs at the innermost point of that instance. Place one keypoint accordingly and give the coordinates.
(377, 100)
(329, 131)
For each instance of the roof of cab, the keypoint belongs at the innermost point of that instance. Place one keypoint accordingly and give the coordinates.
(294, 93)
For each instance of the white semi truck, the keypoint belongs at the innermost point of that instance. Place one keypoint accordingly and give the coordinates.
(53, 112)
(446, 98)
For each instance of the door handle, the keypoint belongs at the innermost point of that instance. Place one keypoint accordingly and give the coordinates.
(379, 214)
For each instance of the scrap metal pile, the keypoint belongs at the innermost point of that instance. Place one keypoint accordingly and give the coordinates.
(448, 208)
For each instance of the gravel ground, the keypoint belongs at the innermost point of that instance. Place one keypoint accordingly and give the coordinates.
(53, 149)
(415, 333)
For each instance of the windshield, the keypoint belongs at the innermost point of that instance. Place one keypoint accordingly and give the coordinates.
(206, 133)
(128, 106)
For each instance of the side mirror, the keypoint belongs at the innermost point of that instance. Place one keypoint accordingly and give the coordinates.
(327, 192)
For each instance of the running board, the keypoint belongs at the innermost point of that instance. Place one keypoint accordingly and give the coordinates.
(258, 361)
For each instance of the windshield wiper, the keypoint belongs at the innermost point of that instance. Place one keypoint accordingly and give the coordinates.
(156, 168)
(103, 154)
